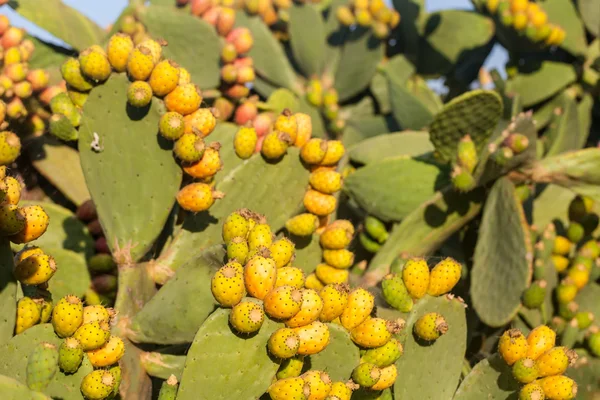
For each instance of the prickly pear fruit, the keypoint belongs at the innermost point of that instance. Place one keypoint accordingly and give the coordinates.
(12, 190)
(385, 355)
(71, 73)
(109, 354)
(535, 294)
(189, 148)
(328, 274)
(374, 332)
(387, 377)
(97, 385)
(319, 383)
(140, 63)
(462, 180)
(286, 123)
(366, 374)
(92, 335)
(334, 298)
(416, 276)
(282, 251)
(36, 223)
(246, 317)
(540, 340)
(560, 262)
(562, 246)
(46, 311)
(517, 142)
(314, 337)
(26, 252)
(558, 387)
(94, 64)
(260, 235)
(326, 181)
(284, 343)
(291, 367)
(359, 307)
(171, 125)
(201, 122)
(532, 391)
(289, 389)
(237, 249)
(513, 346)
(396, 294)
(11, 219)
(313, 151)
(302, 225)
(311, 307)
(118, 50)
(208, 165)
(164, 78)
(304, 133)
(334, 153)
(430, 326)
(67, 316)
(444, 276)
(467, 154)
(35, 269)
(197, 197)
(555, 361)
(283, 302)
(579, 275)
(42, 365)
(10, 147)
(70, 355)
(275, 145)
(290, 276)
(227, 285)
(236, 225)
(525, 370)
(184, 99)
(318, 203)
(341, 391)
(260, 275)
(376, 229)
(337, 235)
(341, 258)
(139, 94)
(244, 142)
(28, 314)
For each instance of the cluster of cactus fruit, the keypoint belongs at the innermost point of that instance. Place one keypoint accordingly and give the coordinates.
(320, 245)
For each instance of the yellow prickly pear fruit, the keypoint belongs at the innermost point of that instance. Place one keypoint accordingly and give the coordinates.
(374, 332)
(97, 385)
(328, 274)
(319, 383)
(208, 165)
(291, 367)
(189, 148)
(341, 391)
(366, 374)
(304, 133)
(184, 99)
(11, 219)
(558, 387)
(237, 249)
(335, 299)
(302, 225)
(286, 123)
(314, 337)
(415, 276)
(387, 378)
(290, 276)
(171, 125)
(246, 317)
(67, 316)
(275, 145)
(139, 94)
(560, 262)
(555, 361)
(12, 190)
(326, 181)
(562, 246)
(260, 235)
(236, 225)
(164, 78)
(540, 340)
(260, 275)
(244, 142)
(36, 223)
(289, 389)
(283, 302)
(109, 354)
(334, 153)
(10, 147)
(314, 151)
(282, 251)
(341, 258)
(227, 285)
(337, 235)
(311, 307)
(140, 63)
(197, 197)
(97, 313)
(319, 203)
(359, 307)
(513, 346)
(94, 64)
(283, 343)
(431, 326)
(532, 391)
(363, 17)
(92, 335)
(579, 275)
(28, 314)
(155, 47)
(118, 50)
(35, 269)
(345, 16)
(201, 122)
(312, 282)
(444, 276)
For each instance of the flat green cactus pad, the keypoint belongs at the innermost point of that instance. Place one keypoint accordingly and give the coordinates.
(13, 389)
(585, 373)
(377, 187)
(176, 312)
(543, 83)
(253, 180)
(339, 357)
(8, 293)
(434, 369)
(308, 253)
(502, 269)
(566, 16)
(588, 298)
(72, 275)
(307, 38)
(380, 147)
(491, 378)
(14, 356)
(222, 365)
(132, 175)
(163, 365)
(564, 131)
(588, 9)
(183, 32)
(281, 99)
(475, 113)
(64, 231)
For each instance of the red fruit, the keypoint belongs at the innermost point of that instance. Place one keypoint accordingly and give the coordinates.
(102, 246)
(4, 24)
(199, 7)
(225, 21)
(259, 143)
(212, 15)
(263, 123)
(237, 91)
(38, 79)
(12, 37)
(247, 111)
(241, 39)
(245, 74)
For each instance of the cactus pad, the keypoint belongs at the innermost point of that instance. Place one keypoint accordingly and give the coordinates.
(564, 131)
(475, 113)
(221, 365)
(14, 389)
(16, 352)
(375, 187)
(133, 177)
(72, 275)
(176, 312)
(162, 365)
(307, 38)
(339, 358)
(543, 83)
(8, 293)
(409, 143)
(440, 359)
(491, 378)
(502, 269)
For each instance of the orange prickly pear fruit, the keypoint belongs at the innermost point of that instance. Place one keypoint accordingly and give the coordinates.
(189, 148)
(290, 276)
(555, 361)
(302, 225)
(311, 307)
(314, 337)
(227, 285)
(337, 235)
(415, 276)
(247, 317)
(36, 223)
(242, 39)
(244, 142)
(208, 165)
(387, 377)
(197, 197)
(319, 383)
(374, 332)
(260, 275)
(444, 276)
(289, 389)
(110, 353)
(201, 122)
(326, 181)
(283, 302)
(164, 78)
(513, 346)
(358, 309)
(184, 99)
(558, 387)
(283, 343)
(314, 151)
(140, 63)
(319, 203)
(118, 50)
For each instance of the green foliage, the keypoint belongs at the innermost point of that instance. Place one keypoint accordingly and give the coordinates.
(491, 377)
(8, 293)
(339, 358)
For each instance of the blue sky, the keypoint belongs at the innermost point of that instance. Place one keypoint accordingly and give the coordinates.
(104, 12)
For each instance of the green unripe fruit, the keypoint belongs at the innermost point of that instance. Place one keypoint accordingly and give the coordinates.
(70, 355)
(384, 355)
(568, 310)
(98, 384)
(396, 294)
(575, 232)
(42, 365)
(368, 244)
(291, 367)
(237, 249)
(10, 147)
(525, 370)
(593, 342)
(284, 343)
(467, 154)
(62, 104)
(101, 263)
(139, 94)
(584, 319)
(376, 229)
(566, 291)
(62, 128)
(430, 327)
(535, 294)
(462, 180)
(71, 73)
(168, 390)
(366, 374)
(189, 148)
(517, 142)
